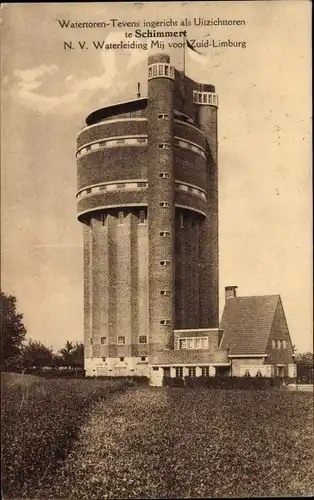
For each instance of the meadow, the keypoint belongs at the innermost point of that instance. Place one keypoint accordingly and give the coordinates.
(146, 442)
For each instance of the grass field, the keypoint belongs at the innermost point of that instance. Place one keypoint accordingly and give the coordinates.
(174, 443)
(40, 420)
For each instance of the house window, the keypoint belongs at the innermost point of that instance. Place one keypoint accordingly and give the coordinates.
(179, 371)
(103, 219)
(197, 343)
(205, 371)
(164, 233)
(165, 293)
(120, 217)
(91, 341)
(165, 263)
(204, 343)
(121, 340)
(143, 358)
(102, 340)
(121, 359)
(189, 343)
(182, 343)
(155, 368)
(164, 145)
(192, 371)
(142, 339)
(165, 322)
(164, 175)
(142, 184)
(163, 117)
(164, 204)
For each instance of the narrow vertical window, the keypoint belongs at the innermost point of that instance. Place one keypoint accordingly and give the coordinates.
(181, 220)
(142, 217)
(120, 217)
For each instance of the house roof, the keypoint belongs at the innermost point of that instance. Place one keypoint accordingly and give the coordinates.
(247, 323)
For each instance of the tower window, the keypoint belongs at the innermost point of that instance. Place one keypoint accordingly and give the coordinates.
(181, 220)
(102, 188)
(121, 340)
(165, 322)
(88, 148)
(142, 184)
(102, 340)
(121, 185)
(121, 217)
(164, 204)
(284, 344)
(142, 339)
(89, 190)
(164, 175)
(163, 116)
(142, 217)
(141, 140)
(150, 73)
(165, 293)
(273, 343)
(164, 145)
(164, 233)
(154, 70)
(165, 263)
(120, 141)
(160, 69)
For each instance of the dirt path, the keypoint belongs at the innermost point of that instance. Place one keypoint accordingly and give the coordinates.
(116, 454)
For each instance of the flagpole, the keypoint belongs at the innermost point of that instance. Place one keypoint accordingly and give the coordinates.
(184, 52)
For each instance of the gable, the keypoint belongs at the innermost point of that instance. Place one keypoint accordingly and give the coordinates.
(247, 324)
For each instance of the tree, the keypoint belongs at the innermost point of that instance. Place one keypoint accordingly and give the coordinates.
(13, 331)
(78, 355)
(73, 354)
(305, 366)
(36, 354)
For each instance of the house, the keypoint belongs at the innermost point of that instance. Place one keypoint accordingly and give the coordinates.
(257, 335)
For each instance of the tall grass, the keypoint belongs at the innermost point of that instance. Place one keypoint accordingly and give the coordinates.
(40, 420)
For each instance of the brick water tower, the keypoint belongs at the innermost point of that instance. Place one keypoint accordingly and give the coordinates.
(148, 201)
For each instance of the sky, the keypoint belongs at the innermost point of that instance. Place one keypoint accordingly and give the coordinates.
(264, 132)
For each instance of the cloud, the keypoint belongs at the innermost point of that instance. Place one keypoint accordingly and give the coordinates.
(77, 92)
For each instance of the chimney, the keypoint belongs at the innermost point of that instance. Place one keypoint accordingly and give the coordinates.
(230, 292)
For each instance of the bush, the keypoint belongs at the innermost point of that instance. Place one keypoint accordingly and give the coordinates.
(173, 382)
(228, 383)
